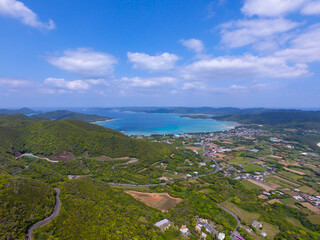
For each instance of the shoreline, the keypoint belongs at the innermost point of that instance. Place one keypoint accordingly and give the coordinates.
(103, 121)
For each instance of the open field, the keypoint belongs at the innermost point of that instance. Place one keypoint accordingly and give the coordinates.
(254, 168)
(315, 219)
(194, 148)
(270, 229)
(264, 186)
(250, 185)
(311, 207)
(161, 201)
(307, 189)
(240, 160)
(242, 214)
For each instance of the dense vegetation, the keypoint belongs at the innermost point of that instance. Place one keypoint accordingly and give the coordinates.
(284, 118)
(63, 114)
(19, 133)
(23, 202)
(93, 210)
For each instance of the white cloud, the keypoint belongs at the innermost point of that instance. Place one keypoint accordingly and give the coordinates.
(242, 67)
(194, 45)
(14, 83)
(148, 82)
(16, 9)
(85, 62)
(59, 83)
(271, 8)
(312, 8)
(243, 32)
(193, 86)
(304, 48)
(163, 62)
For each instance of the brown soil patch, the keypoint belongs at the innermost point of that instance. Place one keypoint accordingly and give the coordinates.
(274, 201)
(289, 164)
(311, 207)
(240, 148)
(63, 157)
(219, 156)
(264, 186)
(294, 171)
(262, 196)
(194, 148)
(274, 185)
(260, 162)
(161, 201)
(274, 156)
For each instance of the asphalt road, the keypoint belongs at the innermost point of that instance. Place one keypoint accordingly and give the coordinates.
(48, 219)
(211, 158)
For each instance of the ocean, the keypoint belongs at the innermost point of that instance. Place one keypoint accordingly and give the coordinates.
(138, 123)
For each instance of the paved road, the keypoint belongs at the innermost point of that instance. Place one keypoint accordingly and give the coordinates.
(212, 159)
(235, 216)
(31, 155)
(44, 221)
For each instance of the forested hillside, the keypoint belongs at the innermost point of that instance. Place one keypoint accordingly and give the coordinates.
(63, 114)
(23, 202)
(19, 133)
(285, 118)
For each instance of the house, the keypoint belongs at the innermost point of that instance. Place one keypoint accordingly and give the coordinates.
(256, 224)
(164, 224)
(298, 198)
(221, 236)
(184, 230)
(189, 175)
(263, 234)
(254, 150)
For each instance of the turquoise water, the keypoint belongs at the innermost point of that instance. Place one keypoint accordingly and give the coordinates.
(132, 123)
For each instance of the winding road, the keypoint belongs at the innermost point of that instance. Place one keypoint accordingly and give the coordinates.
(31, 155)
(211, 158)
(48, 219)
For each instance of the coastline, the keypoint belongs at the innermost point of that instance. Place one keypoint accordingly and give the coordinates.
(103, 121)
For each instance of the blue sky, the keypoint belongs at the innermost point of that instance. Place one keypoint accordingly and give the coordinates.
(249, 53)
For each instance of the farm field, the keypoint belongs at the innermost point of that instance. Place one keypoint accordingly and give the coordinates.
(315, 219)
(240, 160)
(250, 185)
(254, 168)
(161, 201)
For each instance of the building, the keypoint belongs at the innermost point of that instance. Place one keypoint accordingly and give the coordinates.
(263, 234)
(184, 230)
(164, 224)
(256, 224)
(221, 236)
(254, 150)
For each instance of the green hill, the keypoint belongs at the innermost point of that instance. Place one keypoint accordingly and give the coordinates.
(21, 134)
(23, 202)
(63, 114)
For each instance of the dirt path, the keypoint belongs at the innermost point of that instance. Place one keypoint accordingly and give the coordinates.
(48, 219)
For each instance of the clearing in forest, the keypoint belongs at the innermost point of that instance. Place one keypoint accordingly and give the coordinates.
(161, 201)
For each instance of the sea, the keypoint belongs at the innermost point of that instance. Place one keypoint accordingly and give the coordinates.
(146, 124)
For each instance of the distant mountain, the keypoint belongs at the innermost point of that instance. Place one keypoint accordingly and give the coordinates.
(63, 114)
(21, 110)
(284, 118)
(196, 110)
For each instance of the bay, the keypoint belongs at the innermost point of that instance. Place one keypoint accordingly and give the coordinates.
(139, 123)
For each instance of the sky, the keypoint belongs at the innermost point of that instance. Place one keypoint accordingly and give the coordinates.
(110, 53)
